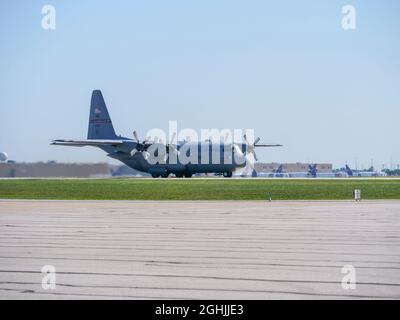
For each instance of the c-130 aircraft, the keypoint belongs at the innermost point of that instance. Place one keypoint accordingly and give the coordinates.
(137, 155)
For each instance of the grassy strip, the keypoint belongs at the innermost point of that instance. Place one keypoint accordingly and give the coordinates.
(198, 189)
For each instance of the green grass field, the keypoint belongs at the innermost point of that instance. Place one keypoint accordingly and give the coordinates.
(198, 189)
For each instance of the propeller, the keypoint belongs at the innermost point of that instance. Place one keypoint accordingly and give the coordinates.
(140, 146)
(250, 155)
(172, 147)
(135, 135)
(251, 146)
(143, 146)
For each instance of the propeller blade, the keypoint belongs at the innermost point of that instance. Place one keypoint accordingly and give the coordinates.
(255, 156)
(172, 148)
(250, 161)
(237, 150)
(173, 138)
(146, 140)
(255, 141)
(136, 136)
(146, 155)
(226, 137)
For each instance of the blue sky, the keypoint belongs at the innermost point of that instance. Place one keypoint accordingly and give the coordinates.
(285, 68)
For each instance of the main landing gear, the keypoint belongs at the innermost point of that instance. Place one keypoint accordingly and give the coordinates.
(181, 175)
(178, 175)
(165, 175)
(227, 174)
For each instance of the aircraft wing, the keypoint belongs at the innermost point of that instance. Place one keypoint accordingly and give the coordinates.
(268, 145)
(81, 143)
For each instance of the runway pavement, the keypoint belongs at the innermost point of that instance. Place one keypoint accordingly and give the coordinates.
(199, 249)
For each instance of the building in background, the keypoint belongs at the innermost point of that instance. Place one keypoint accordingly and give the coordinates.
(53, 169)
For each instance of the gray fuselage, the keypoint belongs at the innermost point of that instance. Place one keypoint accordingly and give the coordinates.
(206, 157)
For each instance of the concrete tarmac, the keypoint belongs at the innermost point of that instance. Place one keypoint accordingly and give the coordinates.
(200, 249)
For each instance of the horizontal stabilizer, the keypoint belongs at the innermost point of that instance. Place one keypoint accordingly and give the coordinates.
(81, 143)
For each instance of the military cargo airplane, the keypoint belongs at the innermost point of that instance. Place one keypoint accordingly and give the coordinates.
(136, 154)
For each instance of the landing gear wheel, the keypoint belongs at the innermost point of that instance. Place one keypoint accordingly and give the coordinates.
(179, 175)
(227, 174)
(188, 175)
(155, 175)
(165, 175)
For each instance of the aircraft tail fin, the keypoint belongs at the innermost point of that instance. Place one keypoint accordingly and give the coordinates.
(100, 124)
(349, 171)
(312, 170)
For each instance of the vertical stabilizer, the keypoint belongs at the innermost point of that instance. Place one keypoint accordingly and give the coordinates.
(100, 125)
